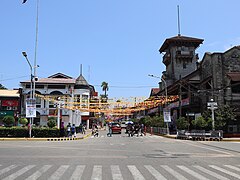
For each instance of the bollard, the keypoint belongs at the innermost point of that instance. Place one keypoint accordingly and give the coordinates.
(151, 131)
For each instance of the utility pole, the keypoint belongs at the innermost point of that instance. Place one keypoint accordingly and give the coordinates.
(212, 106)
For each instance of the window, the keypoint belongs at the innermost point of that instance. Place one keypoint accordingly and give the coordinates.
(184, 65)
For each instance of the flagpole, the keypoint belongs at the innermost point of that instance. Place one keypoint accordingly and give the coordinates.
(35, 53)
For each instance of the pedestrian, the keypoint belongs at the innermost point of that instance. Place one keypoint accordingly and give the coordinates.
(96, 131)
(62, 129)
(69, 130)
(109, 130)
(83, 129)
(73, 130)
(80, 128)
(142, 129)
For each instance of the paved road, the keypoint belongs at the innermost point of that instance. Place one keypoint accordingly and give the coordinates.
(120, 157)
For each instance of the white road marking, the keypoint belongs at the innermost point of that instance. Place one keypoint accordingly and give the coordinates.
(211, 173)
(155, 173)
(233, 167)
(97, 173)
(19, 173)
(2, 171)
(135, 172)
(193, 173)
(59, 172)
(77, 174)
(225, 171)
(174, 173)
(116, 173)
(38, 173)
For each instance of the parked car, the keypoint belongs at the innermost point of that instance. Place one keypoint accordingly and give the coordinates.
(116, 128)
(123, 124)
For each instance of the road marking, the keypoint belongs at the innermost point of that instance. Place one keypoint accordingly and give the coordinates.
(191, 172)
(59, 172)
(155, 173)
(38, 173)
(233, 167)
(174, 173)
(225, 171)
(135, 172)
(116, 173)
(97, 173)
(211, 173)
(2, 171)
(19, 173)
(77, 174)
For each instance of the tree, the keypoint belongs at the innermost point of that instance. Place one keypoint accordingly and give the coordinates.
(223, 115)
(8, 121)
(23, 121)
(105, 88)
(2, 87)
(51, 122)
(182, 123)
(200, 122)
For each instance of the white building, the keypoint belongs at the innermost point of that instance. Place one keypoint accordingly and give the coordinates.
(66, 87)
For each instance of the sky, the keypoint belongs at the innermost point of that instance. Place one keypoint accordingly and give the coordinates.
(116, 41)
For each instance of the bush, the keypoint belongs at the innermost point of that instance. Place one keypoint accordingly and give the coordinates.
(8, 121)
(23, 121)
(51, 122)
(182, 123)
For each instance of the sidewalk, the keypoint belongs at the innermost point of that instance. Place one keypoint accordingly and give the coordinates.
(173, 136)
(78, 137)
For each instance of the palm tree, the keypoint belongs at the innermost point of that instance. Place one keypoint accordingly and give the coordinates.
(2, 87)
(105, 88)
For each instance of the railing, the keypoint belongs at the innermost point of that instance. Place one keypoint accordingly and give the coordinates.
(200, 135)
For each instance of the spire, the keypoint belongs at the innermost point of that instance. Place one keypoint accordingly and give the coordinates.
(179, 34)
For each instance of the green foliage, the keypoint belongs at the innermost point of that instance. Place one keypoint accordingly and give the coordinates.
(155, 121)
(200, 123)
(24, 132)
(182, 123)
(222, 115)
(8, 121)
(52, 122)
(105, 88)
(23, 121)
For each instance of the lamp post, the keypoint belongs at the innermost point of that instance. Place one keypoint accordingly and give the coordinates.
(166, 94)
(31, 91)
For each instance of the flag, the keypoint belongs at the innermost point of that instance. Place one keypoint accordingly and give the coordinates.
(24, 1)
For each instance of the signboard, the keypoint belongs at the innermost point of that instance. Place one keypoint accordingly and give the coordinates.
(30, 107)
(212, 103)
(10, 103)
(167, 116)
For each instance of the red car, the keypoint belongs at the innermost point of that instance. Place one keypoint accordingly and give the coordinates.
(116, 128)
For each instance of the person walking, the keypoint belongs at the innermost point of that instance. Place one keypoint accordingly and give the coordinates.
(109, 130)
(73, 130)
(69, 130)
(83, 129)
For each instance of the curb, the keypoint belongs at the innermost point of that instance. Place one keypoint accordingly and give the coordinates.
(46, 139)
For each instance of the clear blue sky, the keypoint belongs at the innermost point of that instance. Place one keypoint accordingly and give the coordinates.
(118, 39)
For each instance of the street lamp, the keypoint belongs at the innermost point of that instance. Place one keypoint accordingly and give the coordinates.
(31, 91)
(166, 98)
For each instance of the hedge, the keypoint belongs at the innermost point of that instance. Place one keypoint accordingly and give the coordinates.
(24, 132)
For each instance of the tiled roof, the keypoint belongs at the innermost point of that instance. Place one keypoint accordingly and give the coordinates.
(81, 81)
(181, 39)
(154, 91)
(9, 93)
(235, 76)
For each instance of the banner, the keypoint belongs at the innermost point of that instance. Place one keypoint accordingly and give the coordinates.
(30, 108)
(167, 116)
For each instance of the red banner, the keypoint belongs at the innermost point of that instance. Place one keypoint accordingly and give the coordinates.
(10, 103)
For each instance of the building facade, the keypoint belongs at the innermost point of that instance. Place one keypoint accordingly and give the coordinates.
(10, 104)
(70, 90)
(216, 76)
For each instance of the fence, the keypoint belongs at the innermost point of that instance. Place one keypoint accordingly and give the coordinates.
(200, 135)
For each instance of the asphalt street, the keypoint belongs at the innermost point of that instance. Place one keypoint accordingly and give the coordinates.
(120, 157)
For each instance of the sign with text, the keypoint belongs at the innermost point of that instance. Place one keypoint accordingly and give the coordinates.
(167, 116)
(30, 107)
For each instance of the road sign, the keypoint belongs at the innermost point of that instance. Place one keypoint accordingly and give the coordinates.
(212, 103)
(30, 107)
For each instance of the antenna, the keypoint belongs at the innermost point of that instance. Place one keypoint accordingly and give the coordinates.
(81, 69)
(178, 21)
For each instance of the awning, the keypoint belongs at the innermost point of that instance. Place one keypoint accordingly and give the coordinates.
(234, 76)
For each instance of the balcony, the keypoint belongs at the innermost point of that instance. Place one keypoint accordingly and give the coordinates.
(184, 54)
(167, 59)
